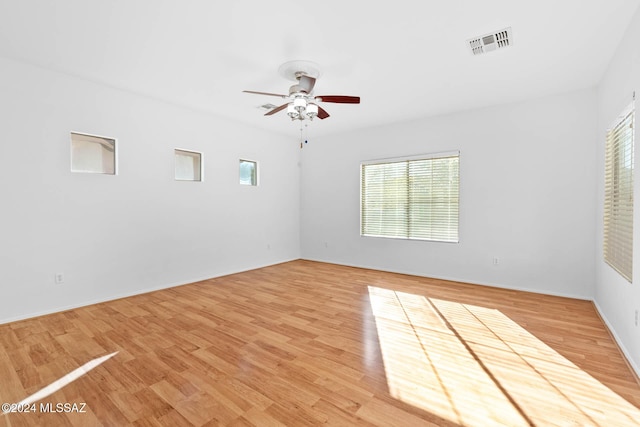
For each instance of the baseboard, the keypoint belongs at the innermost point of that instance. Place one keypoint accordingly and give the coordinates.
(626, 353)
(131, 294)
(633, 367)
(458, 279)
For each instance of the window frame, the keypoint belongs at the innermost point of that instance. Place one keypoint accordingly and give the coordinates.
(255, 181)
(615, 240)
(408, 159)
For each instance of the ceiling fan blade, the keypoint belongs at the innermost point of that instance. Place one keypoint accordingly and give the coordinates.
(306, 83)
(275, 110)
(265, 93)
(341, 99)
(322, 114)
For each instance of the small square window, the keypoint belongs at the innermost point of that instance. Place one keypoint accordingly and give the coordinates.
(188, 165)
(93, 154)
(248, 172)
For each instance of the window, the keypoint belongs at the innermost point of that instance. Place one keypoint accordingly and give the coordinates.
(248, 172)
(188, 165)
(93, 154)
(413, 198)
(618, 195)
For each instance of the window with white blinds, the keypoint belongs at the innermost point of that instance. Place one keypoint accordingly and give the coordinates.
(416, 198)
(618, 195)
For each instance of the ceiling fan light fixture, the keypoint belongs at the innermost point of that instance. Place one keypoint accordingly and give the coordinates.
(312, 110)
(292, 111)
(300, 104)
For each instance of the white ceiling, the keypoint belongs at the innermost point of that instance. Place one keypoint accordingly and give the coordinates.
(405, 59)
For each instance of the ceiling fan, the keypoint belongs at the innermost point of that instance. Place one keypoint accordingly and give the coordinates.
(301, 103)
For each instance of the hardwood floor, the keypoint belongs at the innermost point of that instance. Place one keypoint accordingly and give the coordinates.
(306, 343)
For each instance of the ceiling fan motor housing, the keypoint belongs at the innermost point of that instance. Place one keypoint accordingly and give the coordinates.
(296, 89)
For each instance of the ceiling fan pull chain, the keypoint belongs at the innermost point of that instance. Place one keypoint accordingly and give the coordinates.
(303, 139)
(301, 135)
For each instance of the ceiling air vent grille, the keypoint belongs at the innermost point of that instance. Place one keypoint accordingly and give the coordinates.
(490, 42)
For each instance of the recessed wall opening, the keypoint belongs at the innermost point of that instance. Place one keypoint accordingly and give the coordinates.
(188, 165)
(248, 172)
(93, 154)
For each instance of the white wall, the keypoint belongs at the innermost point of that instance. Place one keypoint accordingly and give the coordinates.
(526, 194)
(616, 298)
(140, 230)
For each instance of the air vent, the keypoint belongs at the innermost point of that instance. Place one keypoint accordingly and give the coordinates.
(490, 42)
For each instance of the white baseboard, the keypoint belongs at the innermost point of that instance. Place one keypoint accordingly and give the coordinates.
(624, 350)
(130, 294)
(458, 279)
(615, 336)
(627, 353)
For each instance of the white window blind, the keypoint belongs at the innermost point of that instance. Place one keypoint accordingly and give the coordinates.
(411, 198)
(618, 195)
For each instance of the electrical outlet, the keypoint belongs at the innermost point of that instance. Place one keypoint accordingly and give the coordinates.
(636, 317)
(59, 278)
(496, 261)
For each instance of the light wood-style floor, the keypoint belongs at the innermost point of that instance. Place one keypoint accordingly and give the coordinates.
(306, 343)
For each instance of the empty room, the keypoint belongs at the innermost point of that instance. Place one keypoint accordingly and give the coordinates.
(340, 213)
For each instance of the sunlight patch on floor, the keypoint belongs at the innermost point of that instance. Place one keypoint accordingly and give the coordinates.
(65, 380)
(476, 367)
